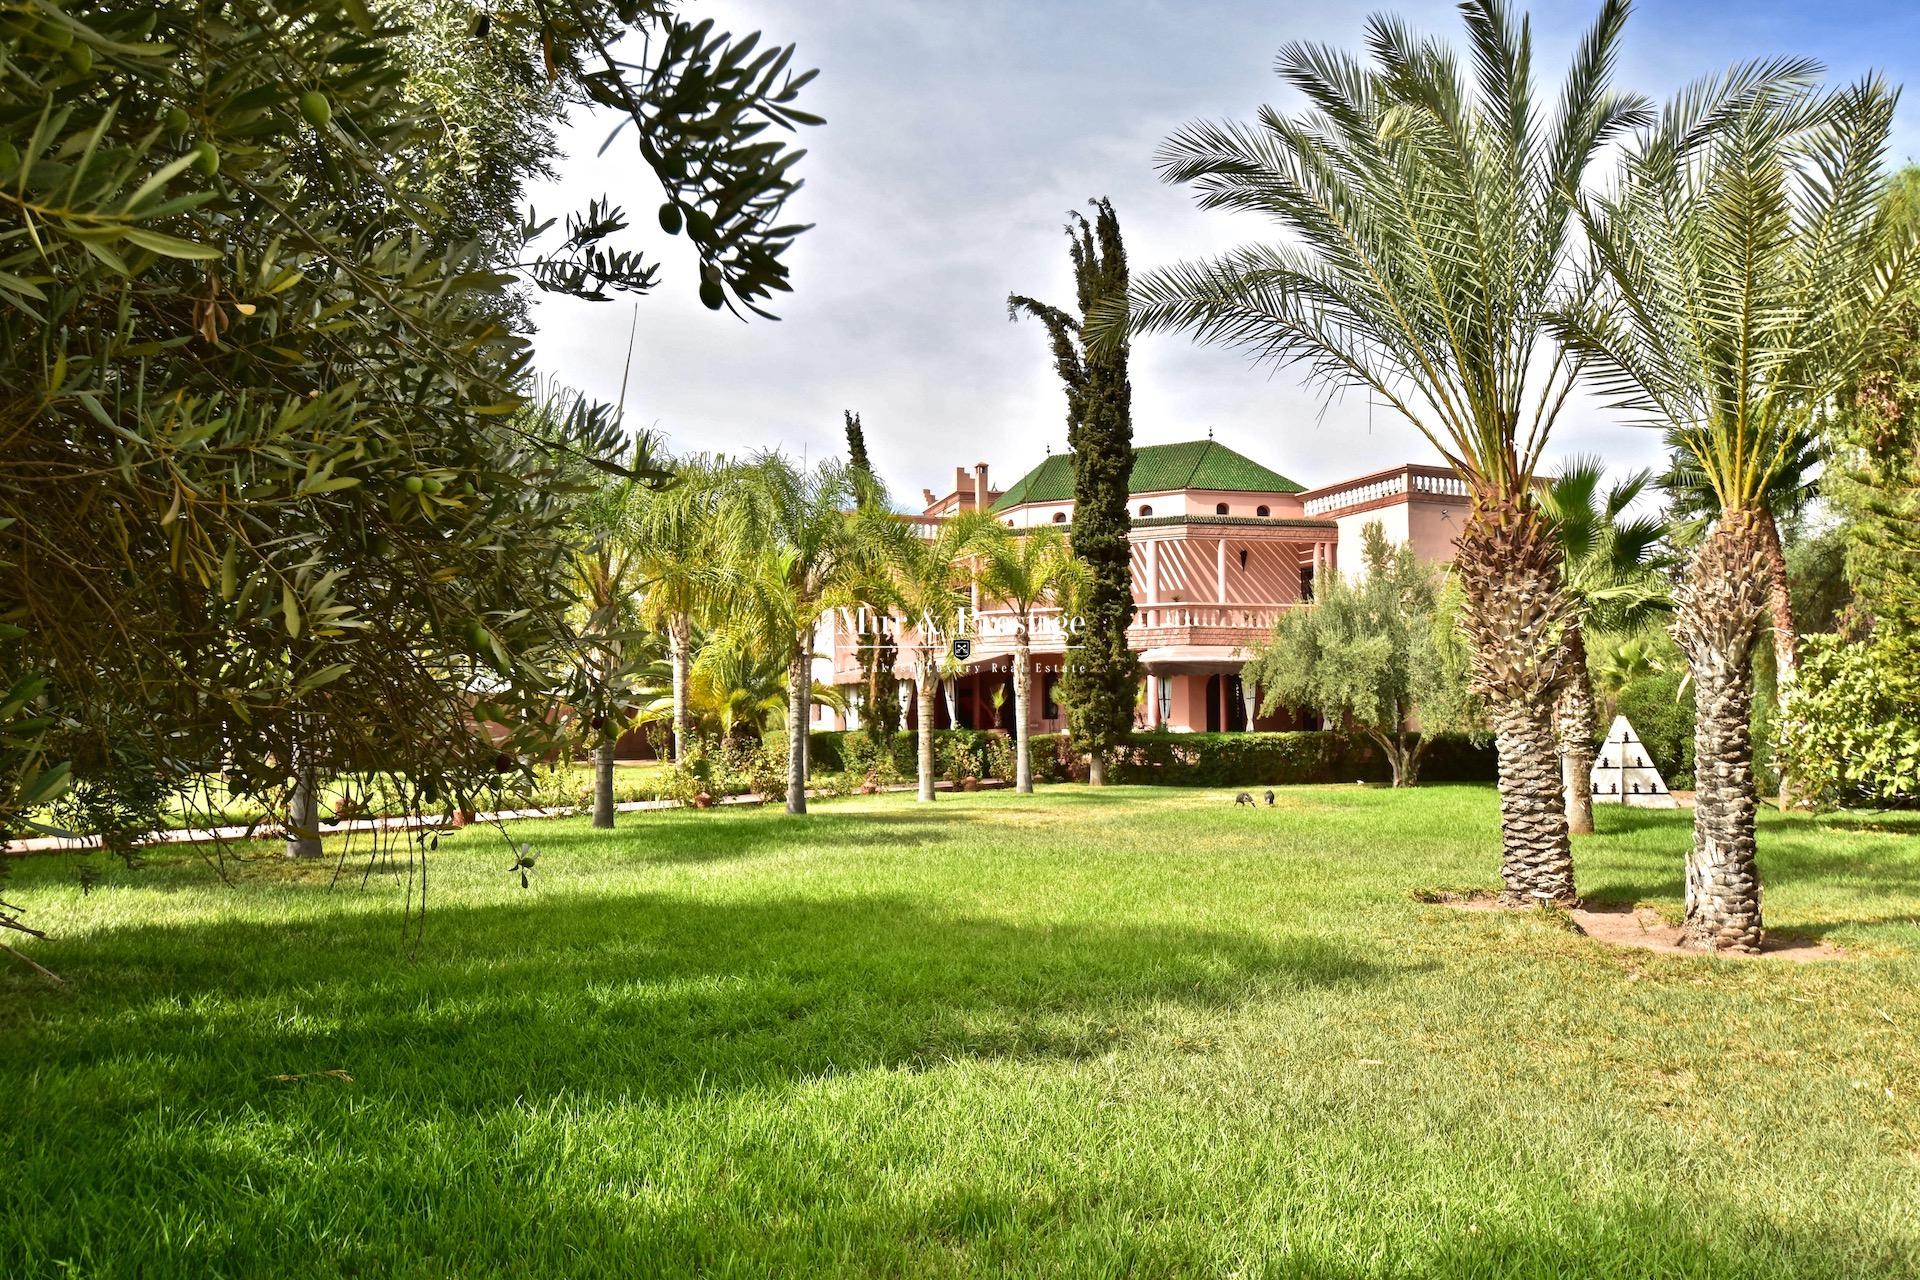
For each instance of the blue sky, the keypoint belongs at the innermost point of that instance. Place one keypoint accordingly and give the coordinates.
(958, 136)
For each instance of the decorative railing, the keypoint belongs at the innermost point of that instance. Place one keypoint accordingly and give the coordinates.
(992, 632)
(1227, 617)
(1445, 483)
(1430, 480)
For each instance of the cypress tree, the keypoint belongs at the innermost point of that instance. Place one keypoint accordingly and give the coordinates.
(1099, 684)
(857, 445)
(877, 649)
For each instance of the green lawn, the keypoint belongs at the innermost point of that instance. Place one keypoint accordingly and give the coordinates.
(1131, 1033)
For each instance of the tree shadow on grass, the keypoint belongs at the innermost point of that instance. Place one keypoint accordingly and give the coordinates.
(675, 836)
(1125, 1230)
(1794, 850)
(184, 1068)
(630, 996)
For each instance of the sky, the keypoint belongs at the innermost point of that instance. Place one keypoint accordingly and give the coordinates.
(958, 137)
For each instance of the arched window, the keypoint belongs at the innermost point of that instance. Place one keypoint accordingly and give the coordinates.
(1059, 517)
(1219, 508)
(1145, 509)
(1243, 557)
(1262, 511)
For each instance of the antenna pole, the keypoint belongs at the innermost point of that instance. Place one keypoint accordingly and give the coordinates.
(626, 370)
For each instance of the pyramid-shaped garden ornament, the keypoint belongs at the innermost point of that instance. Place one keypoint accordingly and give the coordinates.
(1624, 773)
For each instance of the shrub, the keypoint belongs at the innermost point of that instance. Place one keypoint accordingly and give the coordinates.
(1233, 759)
(1277, 759)
(984, 753)
(1852, 738)
(1171, 759)
(1661, 712)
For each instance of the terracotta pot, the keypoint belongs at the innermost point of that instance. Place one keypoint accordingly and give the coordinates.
(970, 783)
(703, 801)
(464, 818)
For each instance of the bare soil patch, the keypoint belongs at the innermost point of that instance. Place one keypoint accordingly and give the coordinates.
(1641, 927)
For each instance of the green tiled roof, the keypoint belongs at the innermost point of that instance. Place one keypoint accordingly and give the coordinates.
(1157, 468)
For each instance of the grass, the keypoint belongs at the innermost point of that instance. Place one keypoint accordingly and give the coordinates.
(1132, 1033)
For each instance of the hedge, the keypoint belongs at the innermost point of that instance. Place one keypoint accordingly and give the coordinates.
(1280, 759)
(1198, 759)
(829, 753)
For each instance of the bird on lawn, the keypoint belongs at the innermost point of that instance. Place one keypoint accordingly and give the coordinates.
(1269, 799)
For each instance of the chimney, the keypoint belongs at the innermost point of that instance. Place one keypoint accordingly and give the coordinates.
(960, 483)
(980, 485)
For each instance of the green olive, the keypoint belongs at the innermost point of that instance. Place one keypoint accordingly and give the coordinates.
(79, 58)
(414, 484)
(434, 486)
(671, 218)
(315, 108)
(479, 637)
(699, 225)
(178, 121)
(712, 296)
(206, 158)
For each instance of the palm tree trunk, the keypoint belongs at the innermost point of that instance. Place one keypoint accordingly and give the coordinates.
(603, 785)
(1517, 615)
(303, 808)
(1786, 644)
(1718, 613)
(1022, 667)
(799, 687)
(680, 657)
(1536, 860)
(1573, 724)
(924, 692)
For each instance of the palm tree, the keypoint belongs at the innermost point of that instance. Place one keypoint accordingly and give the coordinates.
(1791, 491)
(690, 541)
(609, 564)
(930, 575)
(1022, 571)
(1624, 663)
(1606, 557)
(739, 687)
(813, 559)
(1736, 275)
(1428, 205)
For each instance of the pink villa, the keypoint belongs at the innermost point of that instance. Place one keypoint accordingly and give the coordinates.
(1221, 545)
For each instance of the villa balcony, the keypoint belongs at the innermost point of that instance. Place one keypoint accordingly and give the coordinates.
(1227, 630)
(1418, 483)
